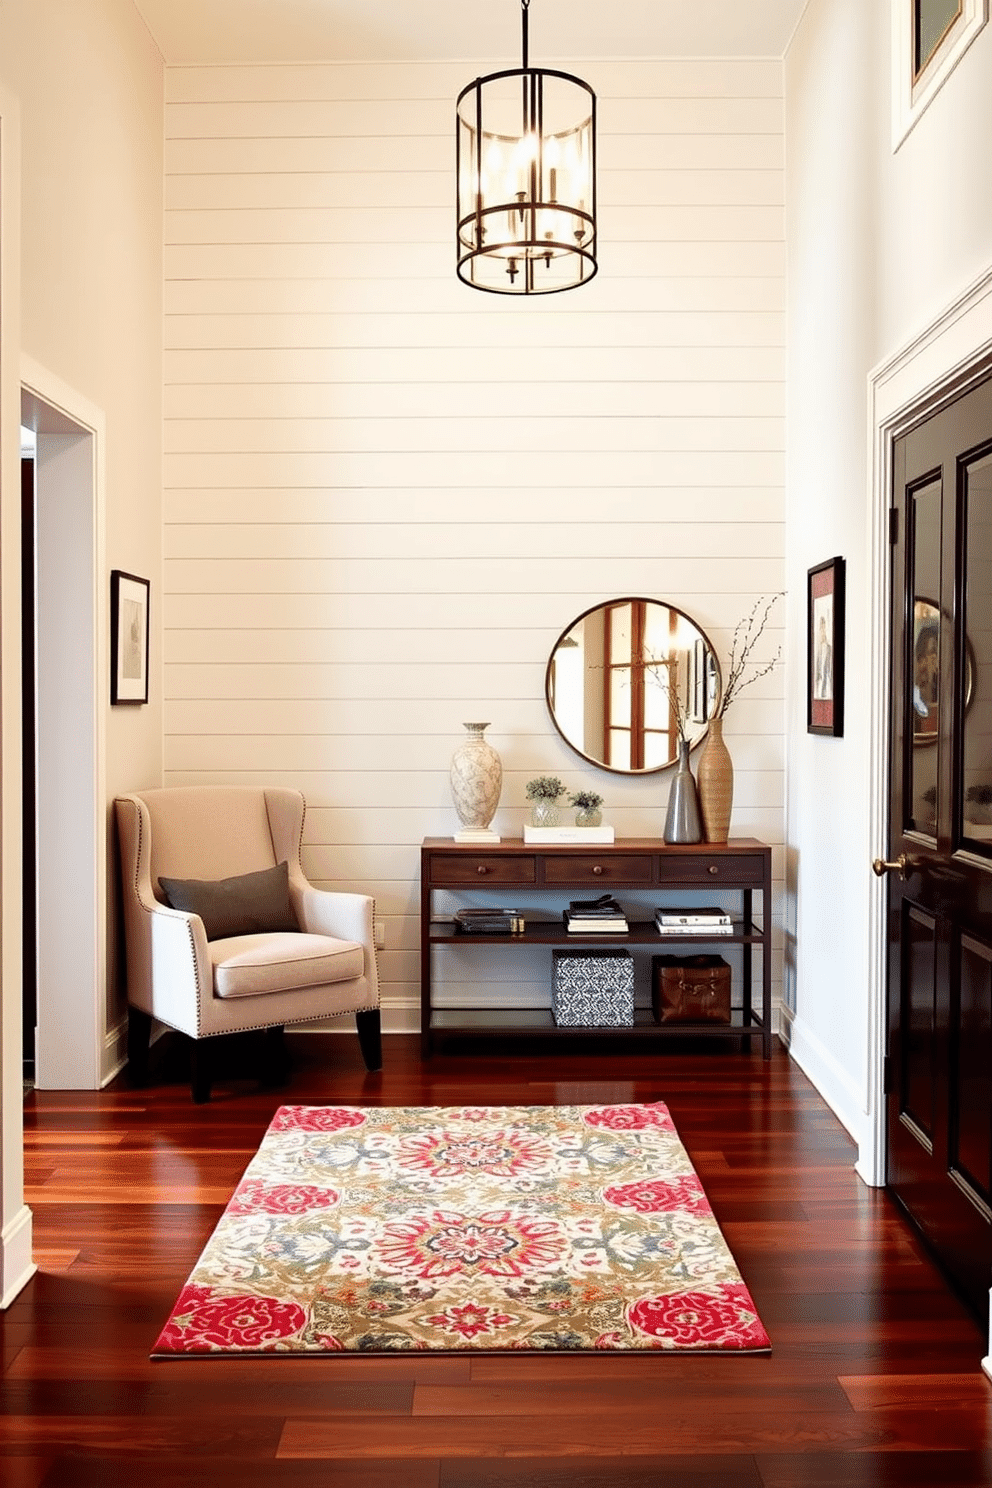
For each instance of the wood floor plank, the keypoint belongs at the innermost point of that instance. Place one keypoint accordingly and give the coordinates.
(25, 1472)
(179, 1393)
(577, 1435)
(218, 1375)
(204, 1436)
(519, 1399)
(695, 1471)
(106, 1472)
(923, 1392)
(933, 1469)
(126, 1189)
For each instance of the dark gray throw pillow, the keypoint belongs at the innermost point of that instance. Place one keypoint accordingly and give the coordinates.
(250, 904)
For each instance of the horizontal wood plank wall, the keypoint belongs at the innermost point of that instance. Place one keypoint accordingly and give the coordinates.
(387, 494)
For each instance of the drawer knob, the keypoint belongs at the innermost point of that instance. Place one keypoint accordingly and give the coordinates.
(597, 869)
(482, 870)
(713, 868)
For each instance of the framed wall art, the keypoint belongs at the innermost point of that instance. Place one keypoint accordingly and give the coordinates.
(929, 39)
(825, 648)
(129, 598)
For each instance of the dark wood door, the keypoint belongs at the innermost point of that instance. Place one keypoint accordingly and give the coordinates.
(939, 1066)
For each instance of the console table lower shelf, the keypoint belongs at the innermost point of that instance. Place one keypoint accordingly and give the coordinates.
(454, 1024)
(742, 868)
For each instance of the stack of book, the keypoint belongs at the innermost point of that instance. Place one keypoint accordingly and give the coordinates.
(495, 921)
(602, 916)
(693, 922)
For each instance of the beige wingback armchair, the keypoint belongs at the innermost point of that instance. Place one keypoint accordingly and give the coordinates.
(265, 979)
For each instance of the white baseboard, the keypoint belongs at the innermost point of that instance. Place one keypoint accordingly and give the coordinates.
(114, 1054)
(834, 1084)
(16, 1265)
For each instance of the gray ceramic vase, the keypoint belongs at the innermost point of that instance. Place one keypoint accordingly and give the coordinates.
(683, 822)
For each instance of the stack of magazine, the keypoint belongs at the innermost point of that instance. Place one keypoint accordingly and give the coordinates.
(693, 922)
(603, 916)
(495, 921)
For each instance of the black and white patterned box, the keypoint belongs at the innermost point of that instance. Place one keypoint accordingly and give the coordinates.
(593, 989)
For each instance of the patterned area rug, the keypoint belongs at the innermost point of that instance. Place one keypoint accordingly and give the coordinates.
(557, 1228)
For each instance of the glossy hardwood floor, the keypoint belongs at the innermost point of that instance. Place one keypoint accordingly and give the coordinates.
(874, 1377)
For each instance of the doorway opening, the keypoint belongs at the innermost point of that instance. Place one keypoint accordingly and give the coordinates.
(29, 911)
(64, 835)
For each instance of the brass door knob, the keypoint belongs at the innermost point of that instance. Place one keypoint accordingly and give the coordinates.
(901, 865)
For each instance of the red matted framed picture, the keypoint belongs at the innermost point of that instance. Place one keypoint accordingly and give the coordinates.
(825, 648)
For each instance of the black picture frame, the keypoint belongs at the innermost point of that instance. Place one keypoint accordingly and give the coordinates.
(130, 599)
(825, 594)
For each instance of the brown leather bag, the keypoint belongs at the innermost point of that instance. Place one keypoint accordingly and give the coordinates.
(691, 989)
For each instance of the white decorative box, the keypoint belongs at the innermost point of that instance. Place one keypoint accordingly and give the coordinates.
(568, 834)
(593, 989)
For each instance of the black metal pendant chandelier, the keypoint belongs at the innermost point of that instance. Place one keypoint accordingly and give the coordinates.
(526, 162)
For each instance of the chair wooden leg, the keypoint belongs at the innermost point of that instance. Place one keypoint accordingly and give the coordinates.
(275, 1058)
(200, 1071)
(139, 1033)
(370, 1037)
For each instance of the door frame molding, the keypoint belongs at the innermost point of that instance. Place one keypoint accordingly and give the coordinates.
(942, 361)
(16, 1264)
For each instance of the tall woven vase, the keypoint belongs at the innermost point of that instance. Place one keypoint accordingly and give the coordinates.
(715, 783)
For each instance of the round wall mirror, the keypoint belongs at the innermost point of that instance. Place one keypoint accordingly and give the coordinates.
(622, 675)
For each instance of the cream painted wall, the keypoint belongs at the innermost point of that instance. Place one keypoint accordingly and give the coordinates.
(386, 494)
(878, 245)
(88, 80)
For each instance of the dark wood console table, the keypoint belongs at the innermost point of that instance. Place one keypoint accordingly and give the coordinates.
(530, 873)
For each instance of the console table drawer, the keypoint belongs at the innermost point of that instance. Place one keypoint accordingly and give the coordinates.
(731, 868)
(575, 871)
(482, 868)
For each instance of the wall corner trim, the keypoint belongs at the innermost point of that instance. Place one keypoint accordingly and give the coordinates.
(16, 1265)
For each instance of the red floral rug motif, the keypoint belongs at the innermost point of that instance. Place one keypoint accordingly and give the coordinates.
(539, 1228)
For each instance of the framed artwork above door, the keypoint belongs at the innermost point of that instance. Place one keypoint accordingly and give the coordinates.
(929, 39)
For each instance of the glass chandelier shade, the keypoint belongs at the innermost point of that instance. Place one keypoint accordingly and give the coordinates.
(526, 165)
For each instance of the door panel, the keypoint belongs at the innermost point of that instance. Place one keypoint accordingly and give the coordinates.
(923, 665)
(976, 818)
(918, 1075)
(971, 1137)
(939, 1127)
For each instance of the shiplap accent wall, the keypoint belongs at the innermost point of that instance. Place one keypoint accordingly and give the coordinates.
(387, 494)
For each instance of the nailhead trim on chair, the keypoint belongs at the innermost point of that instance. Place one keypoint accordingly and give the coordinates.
(189, 930)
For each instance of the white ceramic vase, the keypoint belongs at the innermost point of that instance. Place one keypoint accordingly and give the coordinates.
(476, 782)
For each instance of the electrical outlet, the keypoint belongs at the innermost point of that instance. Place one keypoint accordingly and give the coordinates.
(379, 933)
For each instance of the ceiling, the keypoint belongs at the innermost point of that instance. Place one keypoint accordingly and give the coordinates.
(192, 31)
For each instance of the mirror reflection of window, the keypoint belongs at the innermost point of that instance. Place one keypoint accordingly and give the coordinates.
(926, 667)
(619, 677)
